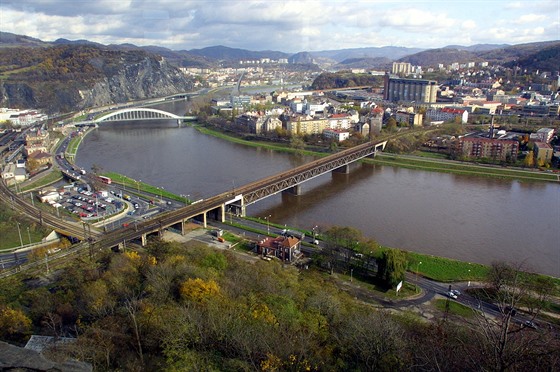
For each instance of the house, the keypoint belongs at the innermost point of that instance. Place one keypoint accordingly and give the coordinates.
(286, 248)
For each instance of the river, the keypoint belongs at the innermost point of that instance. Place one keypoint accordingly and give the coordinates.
(468, 218)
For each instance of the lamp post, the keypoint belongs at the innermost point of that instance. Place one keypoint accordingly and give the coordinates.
(469, 282)
(138, 186)
(351, 271)
(417, 269)
(19, 233)
(267, 218)
(28, 235)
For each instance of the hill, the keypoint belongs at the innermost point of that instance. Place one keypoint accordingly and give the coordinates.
(221, 52)
(533, 55)
(69, 77)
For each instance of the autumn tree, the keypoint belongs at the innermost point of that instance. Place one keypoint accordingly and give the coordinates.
(13, 322)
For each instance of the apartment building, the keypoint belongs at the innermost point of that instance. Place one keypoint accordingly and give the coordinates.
(543, 153)
(306, 125)
(448, 114)
(479, 147)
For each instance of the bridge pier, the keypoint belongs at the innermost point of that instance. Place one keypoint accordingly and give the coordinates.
(144, 240)
(222, 213)
(345, 169)
(294, 190)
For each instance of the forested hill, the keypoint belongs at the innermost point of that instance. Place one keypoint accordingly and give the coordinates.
(69, 77)
(343, 79)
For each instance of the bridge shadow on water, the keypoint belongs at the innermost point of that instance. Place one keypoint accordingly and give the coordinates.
(317, 190)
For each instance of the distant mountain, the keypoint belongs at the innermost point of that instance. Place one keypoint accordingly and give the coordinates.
(388, 52)
(76, 42)
(8, 39)
(446, 56)
(546, 59)
(477, 47)
(364, 63)
(302, 57)
(223, 53)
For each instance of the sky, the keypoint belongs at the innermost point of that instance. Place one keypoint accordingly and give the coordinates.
(285, 25)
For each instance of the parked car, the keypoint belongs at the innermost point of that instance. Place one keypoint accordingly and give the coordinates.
(452, 295)
(456, 292)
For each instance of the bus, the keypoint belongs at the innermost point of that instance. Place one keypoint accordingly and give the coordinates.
(106, 180)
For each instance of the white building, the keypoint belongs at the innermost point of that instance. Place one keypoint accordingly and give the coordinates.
(337, 135)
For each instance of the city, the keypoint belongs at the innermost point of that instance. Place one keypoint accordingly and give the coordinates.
(275, 211)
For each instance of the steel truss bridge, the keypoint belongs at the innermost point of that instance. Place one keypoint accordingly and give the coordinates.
(141, 113)
(290, 180)
(215, 206)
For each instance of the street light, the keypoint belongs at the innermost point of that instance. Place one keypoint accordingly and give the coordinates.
(417, 268)
(19, 232)
(138, 185)
(351, 271)
(469, 282)
(28, 235)
(267, 218)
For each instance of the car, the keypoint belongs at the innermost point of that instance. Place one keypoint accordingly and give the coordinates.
(530, 324)
(456, 292)
(316, 242)
(452, 295)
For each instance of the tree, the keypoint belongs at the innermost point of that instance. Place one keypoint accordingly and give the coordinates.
(502, 343)
(392, 267)
(13, 321)
(391, 124)
(297, 143)
(529, 160)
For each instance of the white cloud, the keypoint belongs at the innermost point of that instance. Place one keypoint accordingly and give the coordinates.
(531, 18)
(282, 25)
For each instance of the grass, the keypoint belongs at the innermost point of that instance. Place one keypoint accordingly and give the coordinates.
(445, 269)
(142, 187)
(53, 176)
(455, 308)
(267, 145)
(432, 165)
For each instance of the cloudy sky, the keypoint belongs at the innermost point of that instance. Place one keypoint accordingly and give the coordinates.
(285, 25)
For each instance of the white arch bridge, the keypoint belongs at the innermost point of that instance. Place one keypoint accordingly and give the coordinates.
(141, 113)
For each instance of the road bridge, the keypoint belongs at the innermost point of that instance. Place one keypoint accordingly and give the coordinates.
(239, 198)
(215, 207)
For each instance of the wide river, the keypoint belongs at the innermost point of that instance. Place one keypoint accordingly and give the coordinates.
(463, 217)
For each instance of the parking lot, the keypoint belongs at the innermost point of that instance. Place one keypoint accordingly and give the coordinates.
(87, 204)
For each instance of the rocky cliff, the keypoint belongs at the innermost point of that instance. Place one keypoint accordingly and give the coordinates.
(70, 78)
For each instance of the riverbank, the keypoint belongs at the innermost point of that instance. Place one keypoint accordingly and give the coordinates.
(407, 161)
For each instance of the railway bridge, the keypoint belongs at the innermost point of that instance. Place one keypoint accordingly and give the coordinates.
(239, 198)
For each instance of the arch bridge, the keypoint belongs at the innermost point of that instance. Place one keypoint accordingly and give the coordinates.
(141, 113)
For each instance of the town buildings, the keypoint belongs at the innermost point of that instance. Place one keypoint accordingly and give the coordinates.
(419, 90)
(489, 148)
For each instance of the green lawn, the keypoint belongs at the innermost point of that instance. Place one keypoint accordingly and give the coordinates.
(445, 269)
(455, 308)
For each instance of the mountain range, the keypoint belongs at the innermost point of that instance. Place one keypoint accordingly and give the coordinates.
(541, 55)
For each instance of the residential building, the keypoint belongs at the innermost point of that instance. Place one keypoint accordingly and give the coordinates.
(286, 248)
(401, 68)
(543, 153)
(496, 149)
(336, 134)
(543, 135)
(306, 125)
(448, 114)
(418, 90)
(339, 121)
(411, 119)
